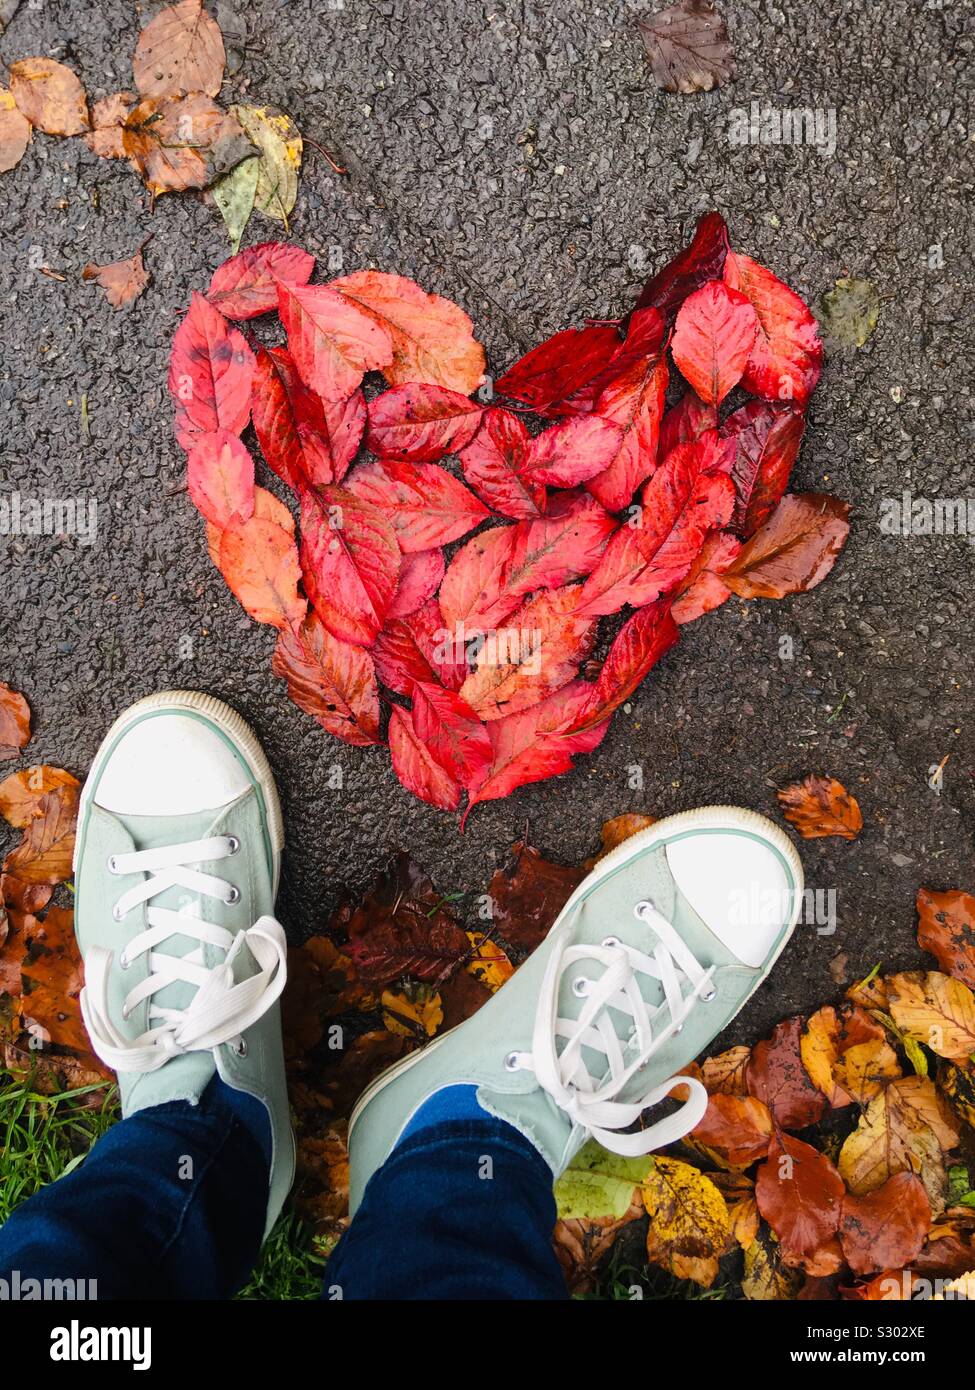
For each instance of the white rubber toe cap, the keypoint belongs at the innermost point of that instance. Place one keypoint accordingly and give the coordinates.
(170, 764)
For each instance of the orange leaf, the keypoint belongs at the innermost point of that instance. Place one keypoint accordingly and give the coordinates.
(886, 1228)
(821, 806)
(180, 50)
(122, 281)
(50, 96)
(737, 1128)
(14, 132)
(259, 561)
(21, 792)
(799, 1193)
(44, 854)
(775, 1074)
(795, 549)
(14, 721)
(947, 930)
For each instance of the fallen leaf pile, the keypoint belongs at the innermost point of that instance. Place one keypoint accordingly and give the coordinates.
(472, 589)
(170, 129)
(832, 1162)
(40, 968)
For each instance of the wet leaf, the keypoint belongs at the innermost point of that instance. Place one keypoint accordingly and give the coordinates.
(850, 312)
(580, 1246)
(402, 928)
(787, 357)
(689, 1225)
(50, 96)
(794, 550)
(21, 793)
(702, 260)
(416, 767)
(179, 50)
(52, 980)
(489, 964)
(526, 900)
(725, 1074)
(14, 132)
(419, 423)
(688, 47)
(886, 1228)
(495, 465)
(767, 439)
(220, 477)
(799, 1193)
(640, 643)
(414, 1014)
(935, 1010)
(414, 649)
(906, 1128)
(420, 576)
(598, 1183)
(44, 854)
(701, 590)
(425, 505)
(234, 196)
(210, 371)
(122, 281)
(713, 339)
(572, 451)
(350, 562)
(735, 1129)
(333, 343)
(819, 807)
(247, 284)
(259, 562)
(182, 142)
(452, 732)
(108, 117)
(14, 721)
(766, 1278)
(947, 929)
(775, 1074)
(304, 439)
(559, 367)
(278, 160)
(332, 680)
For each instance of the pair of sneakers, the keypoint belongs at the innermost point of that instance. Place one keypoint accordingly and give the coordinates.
(176, 868)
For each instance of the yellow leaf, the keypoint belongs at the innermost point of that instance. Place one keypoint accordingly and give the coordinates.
(904, 1129)
(865, 1068)
(489, 964)
(725, 1073)
(935, 1010)
(744, 1219)
(767, 1279)
(409, 1017)
(958, 1088)
(279, 141)
(689, 1224)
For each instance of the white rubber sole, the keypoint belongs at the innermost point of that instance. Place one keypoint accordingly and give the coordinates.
(701, 818)
(230, 724)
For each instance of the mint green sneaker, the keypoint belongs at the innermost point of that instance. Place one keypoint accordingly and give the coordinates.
(176, 869)
(651, 957)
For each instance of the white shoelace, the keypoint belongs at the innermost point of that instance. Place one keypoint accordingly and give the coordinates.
(222, 1009)
(565, 1076)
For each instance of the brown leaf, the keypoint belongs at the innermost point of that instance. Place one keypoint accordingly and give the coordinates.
(688, 47)
(799, 1193)
(820, 806)
(947, 929)
(322, 1174)
(180, 50)
(725, 1073)
(795, 549)
(907, 1128)
(370, 1054)
(615, 831)
(182, 142)
(527, 901)
(14, 721)
(44, 854)
(775, 1074)
(402, 928)
(21, 792)
(462, 996)
(321, 985)
(936, 1010)
(580, 1246)
(737, 1129)
(50, 96)
(14, 132)
(828, 1037)
(886, 1228)
(53, 976)
(122, 281)
(108, 116)
(25, 897)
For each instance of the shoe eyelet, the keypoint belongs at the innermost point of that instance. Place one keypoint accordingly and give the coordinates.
(511, 1062)
(232, 897)
(239, 1048)
(117, 914)
(580, 986)
(233, 844)
(642, 908)
(678, 1029)
(710, 997)
(111, 864)
(611, 941)
(123, 961)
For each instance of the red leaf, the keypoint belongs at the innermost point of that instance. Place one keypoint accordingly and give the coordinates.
(767, 439)
(886, 1228)
(713, 338)
(685, 422)
(495, 463)
(702, 591)
(640, 643)
(799, 1193)
(538, 650)
(795, 549)
(787, 357)
(419, 648)
(350, 562)
(634, 400)
(699, 262)
(559, 367)
(572, 451)
(775, 1074)
(210, 370)
(331, 680)
(432, 338)
(247, 284)
(259, 561)
(425, 505)
(420, 575)
(472, 593)
(680, 504)
(554, 549)
(452, 732)
(220, 477)
(333, 343)
(533, 745)
(416, 769)
(305, 440)
(420, 423)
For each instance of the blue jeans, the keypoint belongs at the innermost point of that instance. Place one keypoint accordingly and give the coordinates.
(171, 1204)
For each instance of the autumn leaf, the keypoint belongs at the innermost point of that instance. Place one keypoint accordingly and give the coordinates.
(775, 1075)
(685, 422)
(713, 338)
(550, 375)
(689, 1225)
(305, 439)
(259, 561)
(416, 767)
(278, 159)
(247, 284)
(432, 339)
(702, 260)
(332, 680)
(640, 643)
(907, 1128)
(799, 1193)
(425, 505)
(401, 928)
(180, 142)
(850, 312)
(220, 477)
(788, 356)
(49, 96)
(14, 721)
(15, 132)
(494, 463)
(419, 423)
(527, 899)
(108, 117)
(598, 1184)
(735, 1129)
(947, 929)
(935, 1010)
(633, 400)
(615, 831)
(820, 807)
(332, 341)
(701, 589)
(549, 551)
(488, 963)
(886, 1228)
(580, 1246)
(572, 451)
(472, 594)
(725, 1074)
(846, 1045)
(794, 550)
(210, 370)
(180, 50)
(414, 1014)
(122, 281)
(767, 1278)
(21, 792)
(767, 439)
(44, 854)
(688, 47)
(350, 562)
(420, 576)
(52, 980)
(417, 648)
(452, 732)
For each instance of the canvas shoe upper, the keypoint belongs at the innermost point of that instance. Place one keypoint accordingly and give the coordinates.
(176, 867)
(651, 957)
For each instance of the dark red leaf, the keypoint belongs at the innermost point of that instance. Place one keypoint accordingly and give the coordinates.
(800, 1194)
(452, 732)
(702, 590)
(425, 505)
(634, 400)
(699, 262)
(305, 440)
(210, 370)
(886, 1228)
(787, 357)
(420, 422)
(767, 438)
(332, 680)
(685, 422)
(495, 463)
(419, 647)
(713, 338)
(247, 284)
(559, 366)
(775, 1074)
(350, 562)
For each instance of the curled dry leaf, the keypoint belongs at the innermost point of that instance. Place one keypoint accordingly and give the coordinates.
(50, 96)
(946, 928)
(122, 281)
(180, 50)
(688, 47)
(819, 807)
